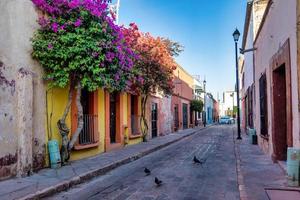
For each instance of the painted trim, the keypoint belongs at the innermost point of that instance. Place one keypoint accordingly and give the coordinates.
(119, 123)
(283, 57)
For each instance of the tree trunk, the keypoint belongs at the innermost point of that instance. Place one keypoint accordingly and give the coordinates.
(143, 121)
(64, 130)
(79, 118)
(68, 144)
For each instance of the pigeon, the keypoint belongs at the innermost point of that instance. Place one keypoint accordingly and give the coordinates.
(147, 171)
(157, 182)
(201, 161)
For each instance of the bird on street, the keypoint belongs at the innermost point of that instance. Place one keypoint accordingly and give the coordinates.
(147, 171)
(157, 182)
(197, 161)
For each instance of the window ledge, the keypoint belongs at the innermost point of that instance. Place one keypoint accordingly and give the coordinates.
(80, 147)
(135, 136)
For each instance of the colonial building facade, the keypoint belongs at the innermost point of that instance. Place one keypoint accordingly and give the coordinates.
(29, 110)
(273, 67)
(183, 94)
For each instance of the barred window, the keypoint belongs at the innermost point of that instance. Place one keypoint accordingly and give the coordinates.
(263, 105)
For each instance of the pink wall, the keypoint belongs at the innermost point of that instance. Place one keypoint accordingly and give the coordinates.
(182, 94)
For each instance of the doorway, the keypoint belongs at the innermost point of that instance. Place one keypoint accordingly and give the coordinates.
(184, 116)
(113, 117)
(154, 120)
(176, 118)
(280, 112)
(281, 91)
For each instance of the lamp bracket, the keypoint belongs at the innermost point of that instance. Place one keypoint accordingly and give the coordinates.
(242, 51)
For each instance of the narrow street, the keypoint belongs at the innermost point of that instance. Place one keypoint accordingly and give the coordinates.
(182, 179)
(150, 100)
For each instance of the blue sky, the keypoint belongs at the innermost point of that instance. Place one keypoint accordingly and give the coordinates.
(204, 27)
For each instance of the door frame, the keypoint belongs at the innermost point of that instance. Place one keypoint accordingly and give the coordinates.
(119, 123)
(176, 117)
(156, 104)
(282, 57)
(187, 116)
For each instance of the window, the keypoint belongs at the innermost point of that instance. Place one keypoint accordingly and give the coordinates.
(89, 135)
(134, 115)
(250, 107)
(263, 105)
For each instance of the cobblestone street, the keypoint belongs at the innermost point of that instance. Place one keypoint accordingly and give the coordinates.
(182, 179)
(149, 100)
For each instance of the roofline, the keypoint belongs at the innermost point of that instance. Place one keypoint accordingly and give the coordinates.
(247, 22)
(270, 2)
(184, 71)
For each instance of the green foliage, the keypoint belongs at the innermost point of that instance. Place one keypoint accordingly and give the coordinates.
(78, 46)
(175, 48)
(197, 105)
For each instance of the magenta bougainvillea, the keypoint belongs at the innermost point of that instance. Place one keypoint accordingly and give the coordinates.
(79, 41)
(78, 44)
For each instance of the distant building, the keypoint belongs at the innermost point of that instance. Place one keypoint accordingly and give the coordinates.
(216, 108)
(209, 108)
(198, 94)
(227, 103)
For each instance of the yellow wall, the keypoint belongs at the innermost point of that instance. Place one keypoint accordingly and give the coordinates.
(57, 100)
(184, 76)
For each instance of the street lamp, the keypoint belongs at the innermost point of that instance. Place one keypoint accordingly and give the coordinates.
(236, 34)
(204, 103)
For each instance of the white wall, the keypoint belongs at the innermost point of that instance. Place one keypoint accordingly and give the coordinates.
(17, 25)
(280, 25)
(248, 57)
(227, 102)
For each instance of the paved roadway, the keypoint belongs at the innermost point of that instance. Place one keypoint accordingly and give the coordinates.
(182, 179)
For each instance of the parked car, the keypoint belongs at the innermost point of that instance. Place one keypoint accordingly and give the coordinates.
(225, 120)
(232, 120)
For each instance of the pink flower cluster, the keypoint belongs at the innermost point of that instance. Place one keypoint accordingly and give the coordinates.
(57, 7)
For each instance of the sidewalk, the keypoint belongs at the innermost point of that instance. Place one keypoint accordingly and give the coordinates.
(257, 172)
(50, 181)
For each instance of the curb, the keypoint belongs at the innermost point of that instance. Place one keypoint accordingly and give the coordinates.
(282, 167)
(240, 177)
(97, 172)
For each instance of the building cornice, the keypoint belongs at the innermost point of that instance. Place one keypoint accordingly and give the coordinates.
(247, 23)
